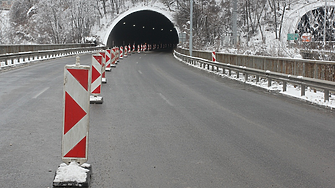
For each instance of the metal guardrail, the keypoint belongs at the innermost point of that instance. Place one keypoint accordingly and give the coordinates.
(304, 82)
(17, 48)
(15, 59)
(323, 70)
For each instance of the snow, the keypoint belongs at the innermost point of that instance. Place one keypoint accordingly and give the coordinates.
(4, 22)
(71, 173)
(313, 96)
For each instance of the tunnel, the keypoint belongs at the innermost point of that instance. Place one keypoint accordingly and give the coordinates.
(142, 27)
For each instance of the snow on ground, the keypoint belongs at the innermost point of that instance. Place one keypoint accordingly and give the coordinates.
(71, 173)
(313, 96)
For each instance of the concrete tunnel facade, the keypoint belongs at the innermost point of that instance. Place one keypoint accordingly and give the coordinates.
(140, 26)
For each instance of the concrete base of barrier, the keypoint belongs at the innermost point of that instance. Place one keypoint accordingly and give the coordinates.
(68, 183)
(104, 80)
(108, 69)
(96, 100)
(113, 66)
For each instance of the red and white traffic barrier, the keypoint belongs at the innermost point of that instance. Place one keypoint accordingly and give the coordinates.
(121, 52)
(108, 60)
(96, 79)
(133, 48)
(103, 67)
(213, 57)
(113, 57)
(129, 50)
(125, 51)
(77, 86)
(138, 48)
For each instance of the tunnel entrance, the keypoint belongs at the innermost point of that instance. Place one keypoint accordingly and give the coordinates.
(313, 23)
(143, 27)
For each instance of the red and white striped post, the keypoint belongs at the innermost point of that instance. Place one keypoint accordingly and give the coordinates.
(125, 51)
(213, 57)
(77, 89)
(96, 79)
(113, 57)
(129, 49)
(121, 52)
(138, 48)
(134, 48)
(108, 60)
(103, 67)
(117, 54)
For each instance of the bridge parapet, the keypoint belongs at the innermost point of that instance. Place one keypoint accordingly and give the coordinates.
(6, 49)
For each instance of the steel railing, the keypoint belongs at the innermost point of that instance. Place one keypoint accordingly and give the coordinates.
(15, 59)
(323, 70)
(326, 86)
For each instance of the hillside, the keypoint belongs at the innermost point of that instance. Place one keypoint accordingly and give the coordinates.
(259, 22)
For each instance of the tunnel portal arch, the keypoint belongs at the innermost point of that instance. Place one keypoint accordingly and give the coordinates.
(292, 20)
(142, 25)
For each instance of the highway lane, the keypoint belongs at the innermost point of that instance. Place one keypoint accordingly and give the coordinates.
(165, 124)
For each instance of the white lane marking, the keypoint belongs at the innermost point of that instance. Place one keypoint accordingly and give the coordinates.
(140, 72)
(165, 99)
(40, 93)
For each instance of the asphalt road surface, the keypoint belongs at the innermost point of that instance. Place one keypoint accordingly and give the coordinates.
(165, 124)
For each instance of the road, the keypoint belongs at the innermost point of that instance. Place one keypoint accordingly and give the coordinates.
(165, 124)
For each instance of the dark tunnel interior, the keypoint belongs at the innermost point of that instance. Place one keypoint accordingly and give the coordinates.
(143, 27)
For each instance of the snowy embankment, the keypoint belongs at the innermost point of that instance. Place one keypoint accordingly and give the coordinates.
(313, 96)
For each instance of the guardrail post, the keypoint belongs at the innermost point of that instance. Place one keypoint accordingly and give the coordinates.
(326, 93)
(269, 81)
(284, 86)
(303, 88)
